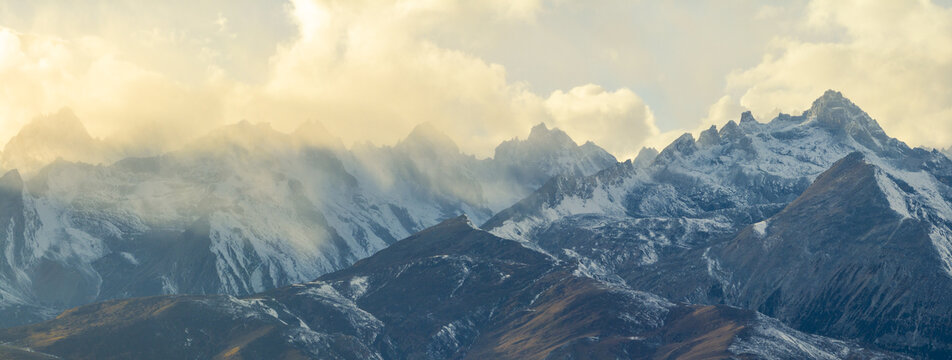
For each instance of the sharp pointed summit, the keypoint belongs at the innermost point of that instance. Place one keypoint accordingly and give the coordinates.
(426, 135)
(539, 128)
(548, 152)
(835, 113)
(56, 136)
(555, 136)
(831, 100)
(645, 157)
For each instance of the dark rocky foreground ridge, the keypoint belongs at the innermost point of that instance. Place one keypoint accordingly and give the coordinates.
(451, 291)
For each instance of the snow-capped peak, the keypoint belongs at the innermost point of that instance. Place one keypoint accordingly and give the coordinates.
(834, 111)
(682, 146)
(709, 137)
(645, 157)
(831, 99)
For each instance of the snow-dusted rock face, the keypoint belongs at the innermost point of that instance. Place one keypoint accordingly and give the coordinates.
(862, 254)
(708, 188)
(449, 292)
(663, 228)
(744, 171)
(241, 210)
(524, 165)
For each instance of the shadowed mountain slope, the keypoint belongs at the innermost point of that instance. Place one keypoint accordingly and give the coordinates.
(451, 291)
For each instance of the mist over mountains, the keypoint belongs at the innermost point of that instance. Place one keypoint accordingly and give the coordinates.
(240, 210)
(809, 236)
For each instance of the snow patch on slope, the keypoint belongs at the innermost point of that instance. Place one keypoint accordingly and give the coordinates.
(328, 295)
(130, 258)
(761, 227)
(894, 195)
(604, 199)
(923, 200)
(942, 240)
(770, 339)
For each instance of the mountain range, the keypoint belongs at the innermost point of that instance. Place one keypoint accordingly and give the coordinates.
(809, 236)
(241, 210)
(820, 220)
(451, 291)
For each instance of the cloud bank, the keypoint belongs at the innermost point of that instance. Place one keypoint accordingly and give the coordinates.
(149, 77)
(364, 69)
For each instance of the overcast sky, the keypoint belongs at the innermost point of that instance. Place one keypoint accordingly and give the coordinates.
(621, 73)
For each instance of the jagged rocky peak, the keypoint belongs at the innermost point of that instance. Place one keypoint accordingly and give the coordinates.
(426, 136)
(709, 137)
(747, 118)
(731, 131)
(596, 151)
(47, 138)
(835, 111)
(541, 139)
(645, 157)
(685, 142)
(542, 134)
(554, 152)
(831, 100)
(837, 114)
(682, 146)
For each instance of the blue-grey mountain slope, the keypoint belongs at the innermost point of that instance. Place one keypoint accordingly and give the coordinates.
(449, 292)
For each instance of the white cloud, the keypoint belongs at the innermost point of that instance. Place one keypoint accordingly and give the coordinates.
(618, 121)
(892, 58)
(725, 109)
(370, 74)
(371, 70)
(42, 74)
(367, 70)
